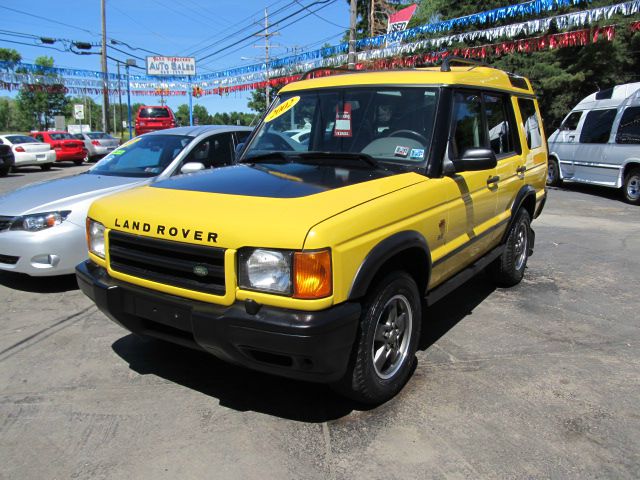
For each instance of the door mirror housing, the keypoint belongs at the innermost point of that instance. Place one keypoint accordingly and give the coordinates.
(192, 167)
(475, 159)
(238, 150)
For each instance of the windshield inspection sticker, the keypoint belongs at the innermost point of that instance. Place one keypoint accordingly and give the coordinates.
(417, 153)
(343, 121)
(282, 108)
(401, 151)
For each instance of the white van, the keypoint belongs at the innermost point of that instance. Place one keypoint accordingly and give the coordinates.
(599, 142)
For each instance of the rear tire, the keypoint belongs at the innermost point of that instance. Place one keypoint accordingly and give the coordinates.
(384, 350)
(508, 269)
(4, 171)
(45, 167)
(78, 162)
(631, 187)
(553, 173)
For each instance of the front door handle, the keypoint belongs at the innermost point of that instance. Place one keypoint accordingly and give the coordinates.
(521, 169)
(494, 179)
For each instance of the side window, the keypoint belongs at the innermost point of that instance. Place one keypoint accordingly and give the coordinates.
(629, 129)
(215, 151)
(571, 122)
(241, 137)
(468, 131)
(500, 124)
(597, 126)
(531, 122)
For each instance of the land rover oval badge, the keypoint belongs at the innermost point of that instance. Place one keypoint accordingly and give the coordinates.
(200, 270)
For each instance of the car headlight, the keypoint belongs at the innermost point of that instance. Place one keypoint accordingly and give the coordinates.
(39, 221)
(298, 274)
(95, 237)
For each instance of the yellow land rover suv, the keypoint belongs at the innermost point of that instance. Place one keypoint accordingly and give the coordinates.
(358, 199)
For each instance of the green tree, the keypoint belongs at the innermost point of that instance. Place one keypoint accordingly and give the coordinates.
(258, 101)
(38, 103)
(10, 55)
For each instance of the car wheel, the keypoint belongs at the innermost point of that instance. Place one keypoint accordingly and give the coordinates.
(4, 171)
(78, 162)
(631, 187)
(46, 167)
(553, 173)
(384, 350)
(508, 269)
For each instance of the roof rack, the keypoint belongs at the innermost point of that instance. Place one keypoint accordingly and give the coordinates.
(306, 75)
(446, 63)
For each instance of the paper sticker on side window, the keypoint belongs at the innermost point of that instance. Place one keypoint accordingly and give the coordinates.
(343, 121)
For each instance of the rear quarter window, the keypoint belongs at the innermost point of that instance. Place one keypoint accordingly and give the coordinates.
(597, 126)
(531, 123)
(629, 129)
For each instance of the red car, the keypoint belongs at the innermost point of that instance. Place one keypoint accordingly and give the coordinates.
(152, 118)
(67, 148)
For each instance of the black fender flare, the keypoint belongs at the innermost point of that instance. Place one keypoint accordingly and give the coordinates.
(383, 251)
(523, 195)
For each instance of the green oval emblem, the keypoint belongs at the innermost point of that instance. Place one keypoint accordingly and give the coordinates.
(200, 270)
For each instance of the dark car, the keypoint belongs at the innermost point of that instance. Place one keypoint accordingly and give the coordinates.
(152, 118)
(6, 159)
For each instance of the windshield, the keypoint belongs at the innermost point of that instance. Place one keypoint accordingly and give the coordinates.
(16, 139)
(98, 135)
(392, 125)
(154, 113)
(145, 156)
(61, 136)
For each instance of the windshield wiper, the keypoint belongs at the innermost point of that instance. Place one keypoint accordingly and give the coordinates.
(271, 157)
(361, 157)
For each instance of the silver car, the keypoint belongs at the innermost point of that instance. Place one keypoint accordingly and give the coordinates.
(98, 144)
(42, 226)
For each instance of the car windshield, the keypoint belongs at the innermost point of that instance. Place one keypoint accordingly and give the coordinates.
(98, 135)
(16, 139)
(154, 113)
(61, 136)
(390, 125)
(145, 156)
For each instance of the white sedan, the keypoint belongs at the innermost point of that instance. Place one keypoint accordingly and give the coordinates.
(29, 151)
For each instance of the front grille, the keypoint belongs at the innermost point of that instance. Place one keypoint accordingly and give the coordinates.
(9, 259)
(5, 222)
(168, 262)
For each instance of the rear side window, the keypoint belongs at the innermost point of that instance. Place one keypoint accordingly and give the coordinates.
(154, 113)
(597, 126)
(498, 111)
(467, 123)
(571, 122)
(531, 123)
(629, 129)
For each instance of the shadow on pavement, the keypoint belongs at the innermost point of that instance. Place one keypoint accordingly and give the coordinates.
(247, 390)
(236, 387)
(25, 283)
(593, 190)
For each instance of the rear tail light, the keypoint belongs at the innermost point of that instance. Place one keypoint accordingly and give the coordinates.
(20, 149)
(95, 142)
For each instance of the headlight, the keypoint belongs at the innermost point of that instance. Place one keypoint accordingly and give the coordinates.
(265, 270)
(39, 221)
(299, 274)
(95, 237)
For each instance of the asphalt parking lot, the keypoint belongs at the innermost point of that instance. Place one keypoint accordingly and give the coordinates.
(538, 381)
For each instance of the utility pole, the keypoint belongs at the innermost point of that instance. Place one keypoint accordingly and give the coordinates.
(266, 36)
(352, 36)
(105, 84)
(121, 128)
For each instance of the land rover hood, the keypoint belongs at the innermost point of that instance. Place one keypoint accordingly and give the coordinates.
(231, 208)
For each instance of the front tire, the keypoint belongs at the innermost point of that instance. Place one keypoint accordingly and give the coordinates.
(78, 162)
(631, 187)
(384, 351)
(508, 269)
(553, 173)
(4, 171)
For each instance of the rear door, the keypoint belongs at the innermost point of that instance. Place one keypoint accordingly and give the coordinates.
(589, 160)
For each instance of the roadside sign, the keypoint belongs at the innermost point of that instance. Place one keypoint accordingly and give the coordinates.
(78, 111)
(171, 66)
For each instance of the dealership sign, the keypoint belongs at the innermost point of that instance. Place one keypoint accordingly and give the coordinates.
(171, 66)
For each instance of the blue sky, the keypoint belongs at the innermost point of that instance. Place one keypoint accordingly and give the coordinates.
(175, 27)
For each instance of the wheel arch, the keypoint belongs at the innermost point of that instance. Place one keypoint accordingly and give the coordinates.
(554, 156)
(627, 167)
(407, 250)
(525, 198)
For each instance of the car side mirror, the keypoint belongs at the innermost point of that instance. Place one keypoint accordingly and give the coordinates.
(475, 159)
(238, 150)
(192, 167)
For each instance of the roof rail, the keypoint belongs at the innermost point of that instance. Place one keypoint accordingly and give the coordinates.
(446, 63)
(306, 75)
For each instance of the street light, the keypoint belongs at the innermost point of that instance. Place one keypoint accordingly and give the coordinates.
(129, 63)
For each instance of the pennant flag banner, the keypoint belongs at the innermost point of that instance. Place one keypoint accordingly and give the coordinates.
(14, 76)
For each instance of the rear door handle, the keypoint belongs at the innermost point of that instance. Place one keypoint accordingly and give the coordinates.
(494, 179)
(521, 169)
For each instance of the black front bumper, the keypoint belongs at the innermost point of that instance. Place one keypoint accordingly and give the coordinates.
(313, 346)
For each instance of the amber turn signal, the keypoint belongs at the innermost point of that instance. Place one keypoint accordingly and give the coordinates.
(312, 274)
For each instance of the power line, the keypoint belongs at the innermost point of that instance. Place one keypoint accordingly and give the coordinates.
(322, 18)
(263, 29)
(49, 20)
(34, 45)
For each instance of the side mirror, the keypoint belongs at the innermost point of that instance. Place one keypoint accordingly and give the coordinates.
(238, 150)
(475, 159)
(192, 167)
